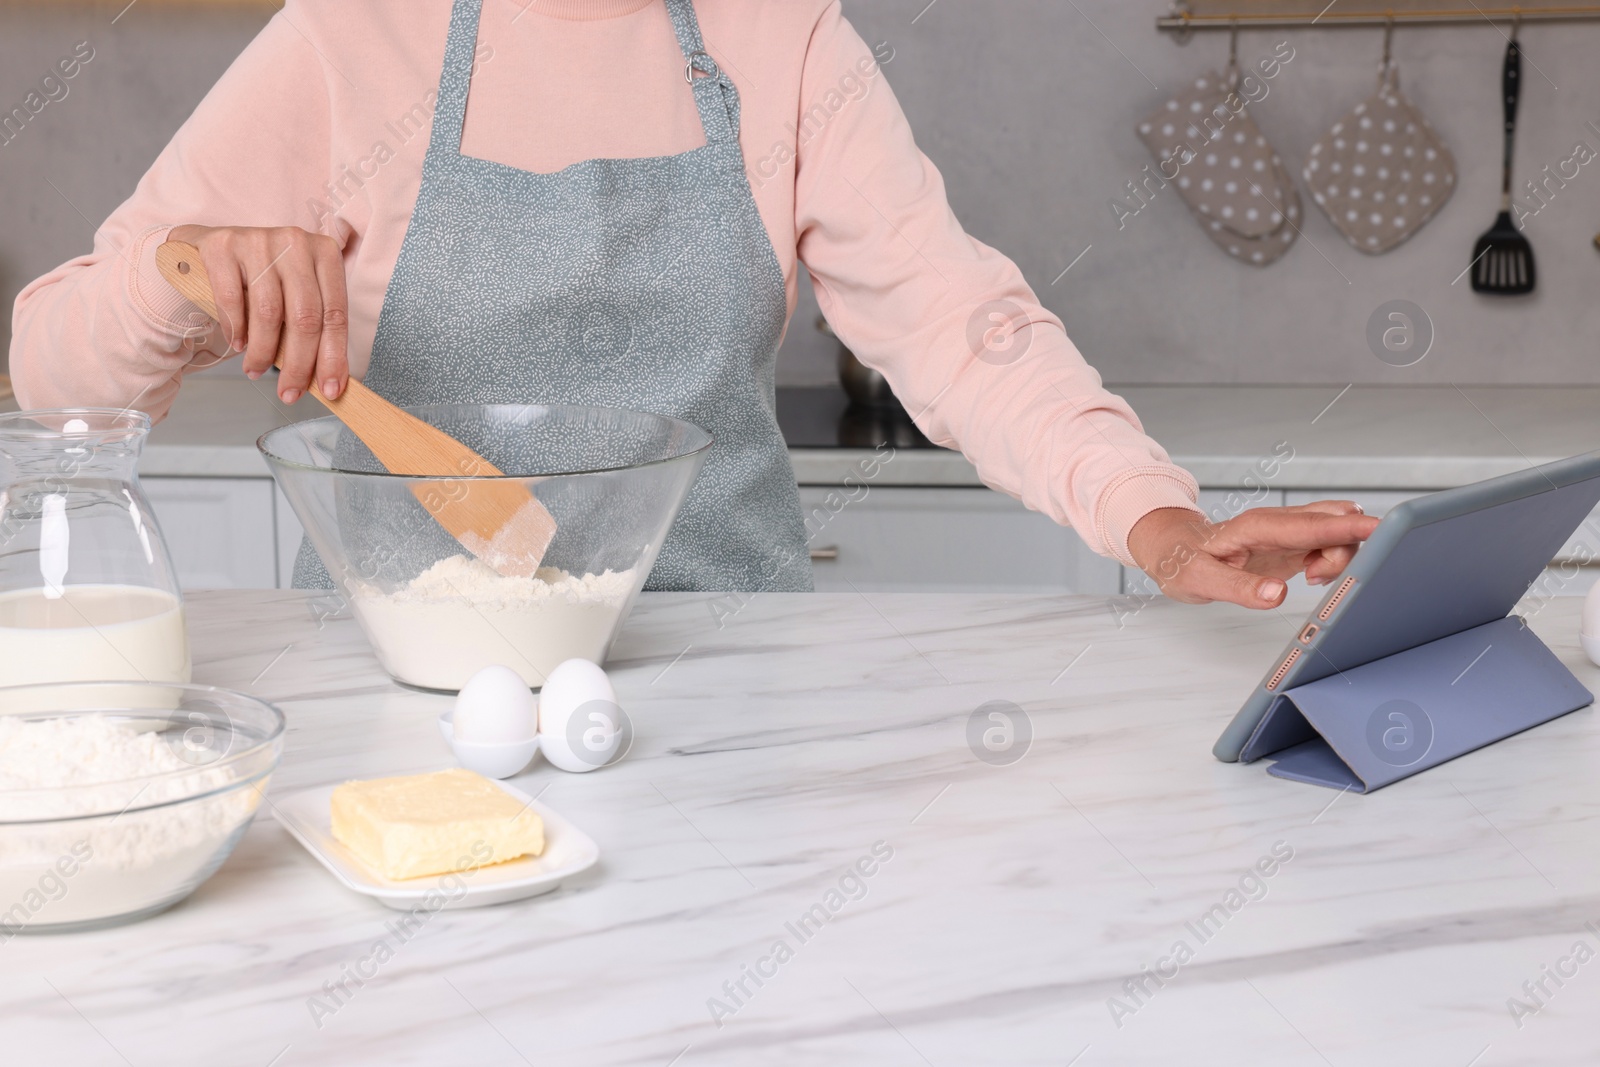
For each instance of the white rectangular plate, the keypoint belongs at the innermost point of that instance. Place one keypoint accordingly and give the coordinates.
(567, 851)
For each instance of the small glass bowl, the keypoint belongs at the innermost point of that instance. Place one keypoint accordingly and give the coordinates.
(92, 854)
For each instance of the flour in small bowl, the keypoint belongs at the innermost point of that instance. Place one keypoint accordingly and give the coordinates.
(95, 819)
(86, 750)
(460, 615)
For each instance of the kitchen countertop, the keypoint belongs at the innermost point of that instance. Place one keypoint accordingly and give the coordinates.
(1365, 437)
(772, 753)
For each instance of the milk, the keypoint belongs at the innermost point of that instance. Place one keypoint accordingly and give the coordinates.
(92, 633)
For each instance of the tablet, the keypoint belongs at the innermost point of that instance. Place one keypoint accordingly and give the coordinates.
(1435, 566)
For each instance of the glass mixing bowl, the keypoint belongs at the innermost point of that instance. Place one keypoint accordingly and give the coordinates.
(613, 480)
(99, 845)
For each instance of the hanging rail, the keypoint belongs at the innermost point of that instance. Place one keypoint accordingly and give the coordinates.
(1184, 22)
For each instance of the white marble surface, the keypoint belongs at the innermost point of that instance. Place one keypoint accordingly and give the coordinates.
(1369, 437)
(774, 752)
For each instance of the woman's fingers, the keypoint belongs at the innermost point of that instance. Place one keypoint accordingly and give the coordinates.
(264, 298)
(1329, 507)
(1280, 529)
(1205, 579)
(1327, 564)
(302, 315)
(333, 366)
(1324, 566)
(227, 293)
(280, 295)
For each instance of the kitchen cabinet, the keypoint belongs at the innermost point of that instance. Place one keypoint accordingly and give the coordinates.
(240, 533)
(946, 539)
(929, 522)
(222, 532)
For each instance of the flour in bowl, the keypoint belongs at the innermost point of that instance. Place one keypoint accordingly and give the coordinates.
(91, 750)
(460, 615)
(94, 820)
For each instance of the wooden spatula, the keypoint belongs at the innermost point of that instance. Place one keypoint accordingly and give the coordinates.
(501, 523)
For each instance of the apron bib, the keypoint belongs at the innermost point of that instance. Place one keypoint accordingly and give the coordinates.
(648, 284)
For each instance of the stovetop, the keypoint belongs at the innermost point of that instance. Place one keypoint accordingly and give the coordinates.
(823, 417)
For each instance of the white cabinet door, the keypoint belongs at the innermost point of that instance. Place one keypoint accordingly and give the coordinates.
(220, 530)
(905, 539)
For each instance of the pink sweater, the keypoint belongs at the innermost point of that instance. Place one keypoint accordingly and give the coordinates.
(323, 121)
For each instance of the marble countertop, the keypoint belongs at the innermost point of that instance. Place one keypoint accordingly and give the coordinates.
(1361, 437)
(1007, 907)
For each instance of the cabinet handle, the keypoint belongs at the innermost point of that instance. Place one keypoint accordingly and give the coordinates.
(828, 554)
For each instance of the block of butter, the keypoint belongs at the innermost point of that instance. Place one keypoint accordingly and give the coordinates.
(437, 823)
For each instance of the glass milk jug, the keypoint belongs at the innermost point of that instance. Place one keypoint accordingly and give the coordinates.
(87, 588)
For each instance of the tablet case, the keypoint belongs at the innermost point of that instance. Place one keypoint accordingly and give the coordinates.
(1366, 727)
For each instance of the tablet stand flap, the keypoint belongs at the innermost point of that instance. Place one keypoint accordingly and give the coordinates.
(1281, 727)
(1395, 716)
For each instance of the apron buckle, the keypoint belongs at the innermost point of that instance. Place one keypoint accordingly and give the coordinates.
(689, 67)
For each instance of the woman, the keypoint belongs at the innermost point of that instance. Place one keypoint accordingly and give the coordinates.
(615, 215)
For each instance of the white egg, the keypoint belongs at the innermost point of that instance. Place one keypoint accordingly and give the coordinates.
(495, 707)
(581, 726)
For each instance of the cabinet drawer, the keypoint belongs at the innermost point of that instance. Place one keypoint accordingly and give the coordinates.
(902, 539)
(219, 530)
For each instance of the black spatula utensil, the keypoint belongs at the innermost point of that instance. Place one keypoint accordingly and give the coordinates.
(1502, 260)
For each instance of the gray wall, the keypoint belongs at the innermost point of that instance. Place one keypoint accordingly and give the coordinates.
(1028, 110)
(149, 70)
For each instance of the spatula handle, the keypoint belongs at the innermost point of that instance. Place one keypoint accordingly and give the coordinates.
(1510, 87)
(180, 264)
(402, 442)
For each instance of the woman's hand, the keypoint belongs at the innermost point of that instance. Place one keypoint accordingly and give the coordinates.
(1245, 559)
(279, 286)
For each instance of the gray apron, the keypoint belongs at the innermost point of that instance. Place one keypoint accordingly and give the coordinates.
(648, 284)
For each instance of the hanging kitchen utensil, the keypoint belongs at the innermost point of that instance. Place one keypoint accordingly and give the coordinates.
(1381, 172)
(1224, 169)
(500, 522)
(1502, 260)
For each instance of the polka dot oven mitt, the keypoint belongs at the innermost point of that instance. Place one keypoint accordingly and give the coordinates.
(1265, 249)
(1224, 169)
(1381, 172)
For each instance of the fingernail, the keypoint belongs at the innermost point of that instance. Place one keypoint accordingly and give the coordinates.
(330, 388)
(253, 375)
(1316, 581)
(1271, 590)
(289, 396)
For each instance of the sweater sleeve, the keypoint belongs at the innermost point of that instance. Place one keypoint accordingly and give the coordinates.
(105, 329)
(950, 322)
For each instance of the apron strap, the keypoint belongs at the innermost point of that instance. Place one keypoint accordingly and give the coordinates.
(715, 96)
(455, 79)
